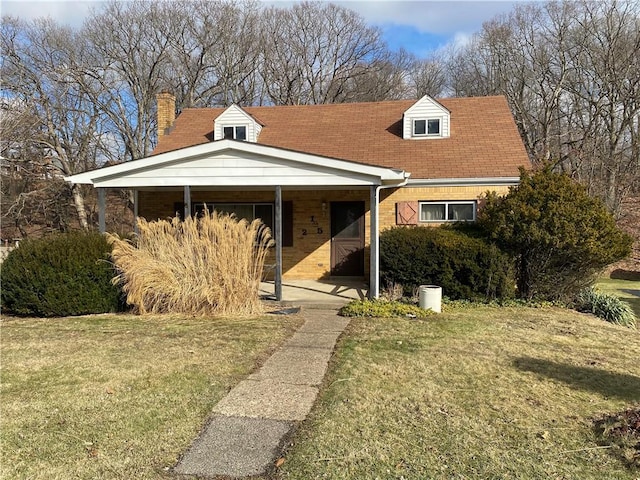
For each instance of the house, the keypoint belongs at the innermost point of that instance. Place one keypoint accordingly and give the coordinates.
(326, 178)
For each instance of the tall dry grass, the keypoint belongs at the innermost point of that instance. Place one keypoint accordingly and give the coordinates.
(210, 265)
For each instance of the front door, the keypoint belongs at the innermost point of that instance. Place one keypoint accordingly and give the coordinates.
(347, 239)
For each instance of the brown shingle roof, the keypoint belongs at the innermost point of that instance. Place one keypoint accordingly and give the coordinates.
(484, 139)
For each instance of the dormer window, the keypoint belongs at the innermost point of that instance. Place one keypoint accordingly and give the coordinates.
(430, 126)
(235, 133)
(236, 124)
(426, 119)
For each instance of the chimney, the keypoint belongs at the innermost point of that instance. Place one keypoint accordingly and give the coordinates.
(166, 112)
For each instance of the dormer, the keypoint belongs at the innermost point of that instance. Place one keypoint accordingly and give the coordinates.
(236, 124)
(426, 119)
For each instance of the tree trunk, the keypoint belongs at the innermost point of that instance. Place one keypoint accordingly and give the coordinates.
(78, 202)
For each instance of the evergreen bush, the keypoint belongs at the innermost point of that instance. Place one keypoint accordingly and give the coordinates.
(560, 237)
(465, 267)
(60, 275)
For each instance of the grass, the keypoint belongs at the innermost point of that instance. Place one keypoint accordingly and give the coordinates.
(108, 396)
(476, 393)
(628, 290)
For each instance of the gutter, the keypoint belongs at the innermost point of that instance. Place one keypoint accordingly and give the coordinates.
(463, 182)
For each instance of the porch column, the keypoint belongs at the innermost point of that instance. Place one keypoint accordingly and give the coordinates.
(278, 274)
(374, 238)
(135, 211)
(102, 204)
(187, 201)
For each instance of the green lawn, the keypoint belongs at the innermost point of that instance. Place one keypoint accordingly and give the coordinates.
(628, 290)
(117, 396)
(475, 393)
(484, 393)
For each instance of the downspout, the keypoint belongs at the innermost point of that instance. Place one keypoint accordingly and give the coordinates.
(374, 261)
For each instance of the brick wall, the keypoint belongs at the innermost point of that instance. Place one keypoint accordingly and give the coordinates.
(310, 255)
(388, 198)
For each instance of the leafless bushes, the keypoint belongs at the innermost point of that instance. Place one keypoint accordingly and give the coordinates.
(203, 266)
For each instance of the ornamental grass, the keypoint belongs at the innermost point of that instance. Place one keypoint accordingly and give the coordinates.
(207, 265)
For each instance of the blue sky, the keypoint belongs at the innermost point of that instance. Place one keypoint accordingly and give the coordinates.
(418, 26)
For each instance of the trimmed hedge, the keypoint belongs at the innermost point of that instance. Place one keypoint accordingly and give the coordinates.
(60, 275)
(465, 267)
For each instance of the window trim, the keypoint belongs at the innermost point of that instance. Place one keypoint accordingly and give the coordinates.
(426, 121)
(235, 131)
(446, 204)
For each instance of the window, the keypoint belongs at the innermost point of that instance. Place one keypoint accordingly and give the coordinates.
(248, 211)
(251, 211)
(426, 127)
(235, 133)
(447, 211)
(433, 126)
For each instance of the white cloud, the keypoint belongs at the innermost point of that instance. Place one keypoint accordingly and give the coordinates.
(437, 17)
(71, 13)
(453, 19)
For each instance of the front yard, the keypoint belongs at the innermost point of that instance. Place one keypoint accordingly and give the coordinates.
(471, 394)
(105, 396)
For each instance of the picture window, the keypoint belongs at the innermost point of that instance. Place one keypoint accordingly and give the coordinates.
(447, 211)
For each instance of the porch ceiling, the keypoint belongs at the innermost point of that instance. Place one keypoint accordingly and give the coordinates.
(229, 163)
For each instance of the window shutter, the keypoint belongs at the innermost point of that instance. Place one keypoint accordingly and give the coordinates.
(178, 209)
(287, 224)
(407, 213)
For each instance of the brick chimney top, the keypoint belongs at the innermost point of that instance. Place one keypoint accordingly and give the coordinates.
(166, 111)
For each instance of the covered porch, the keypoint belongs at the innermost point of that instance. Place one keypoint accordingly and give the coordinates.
(309, 293)
(331, 200)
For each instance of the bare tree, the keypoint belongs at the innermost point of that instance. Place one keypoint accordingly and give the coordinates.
(40, 72)
(571, 73)
(214, 52)
(428, 77)
(315, 52)
(129, 44)
(33, 196)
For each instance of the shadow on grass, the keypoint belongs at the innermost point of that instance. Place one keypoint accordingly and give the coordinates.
(619, 385)
(621, 274)
(634, 302)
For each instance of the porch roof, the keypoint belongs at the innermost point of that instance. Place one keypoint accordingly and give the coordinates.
(234, 163)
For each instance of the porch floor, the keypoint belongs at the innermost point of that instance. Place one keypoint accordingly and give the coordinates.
(320, 293)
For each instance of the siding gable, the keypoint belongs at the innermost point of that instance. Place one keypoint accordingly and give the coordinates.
(235, 116)
(423, 109)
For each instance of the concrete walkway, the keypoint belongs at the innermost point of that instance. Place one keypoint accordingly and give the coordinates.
(250, 425)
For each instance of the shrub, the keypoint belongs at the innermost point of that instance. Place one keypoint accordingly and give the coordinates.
(60, 275)
(463, 266)
(559, 236)
(382, 309)
(211, 265)
(606, 306)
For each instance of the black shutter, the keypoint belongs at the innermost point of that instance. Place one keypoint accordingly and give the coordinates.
(178, 210)
(287, 224)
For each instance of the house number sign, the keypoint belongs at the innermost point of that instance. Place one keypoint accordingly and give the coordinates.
(313, 222)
